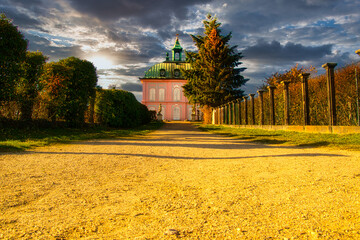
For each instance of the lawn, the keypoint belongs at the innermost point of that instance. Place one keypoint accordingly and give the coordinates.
(301, 139)
(19, 137)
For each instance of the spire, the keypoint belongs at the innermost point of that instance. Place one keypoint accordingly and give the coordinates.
(177, 50)
(177, 43)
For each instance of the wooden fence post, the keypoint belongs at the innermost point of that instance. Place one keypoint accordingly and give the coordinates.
(230, 116)
(218, 116)
(331, 92)
(222, 114)
(239, 110)
(234, 113)
(305, 98)
(226, 113)
(252, 108)
(272, 104)
(215, 112)
(231, 113)
(245, 110)
(286, 102)
(261, 99)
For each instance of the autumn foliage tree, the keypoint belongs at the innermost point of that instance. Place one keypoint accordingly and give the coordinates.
(55, 81)
(68, 85)
(214, 77)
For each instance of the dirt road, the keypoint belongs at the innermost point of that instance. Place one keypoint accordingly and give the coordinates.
(179, 182)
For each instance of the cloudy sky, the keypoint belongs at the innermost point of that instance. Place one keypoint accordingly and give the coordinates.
(123, 38)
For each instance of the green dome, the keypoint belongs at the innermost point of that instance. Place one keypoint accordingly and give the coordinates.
(167, 70)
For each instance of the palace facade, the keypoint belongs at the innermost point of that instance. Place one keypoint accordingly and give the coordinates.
(162, 84)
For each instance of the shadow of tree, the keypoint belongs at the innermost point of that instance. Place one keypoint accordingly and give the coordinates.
(7, 148)
(315, 144)
(194, 158)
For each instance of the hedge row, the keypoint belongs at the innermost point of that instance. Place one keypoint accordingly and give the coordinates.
(119, 108)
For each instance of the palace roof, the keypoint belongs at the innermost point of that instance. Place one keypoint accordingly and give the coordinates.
(170, 69)
(167, 70)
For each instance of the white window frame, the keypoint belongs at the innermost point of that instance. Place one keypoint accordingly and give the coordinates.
(177, 94)
(152, 94)
(162, 94)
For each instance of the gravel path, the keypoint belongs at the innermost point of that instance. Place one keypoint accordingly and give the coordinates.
(179, 182)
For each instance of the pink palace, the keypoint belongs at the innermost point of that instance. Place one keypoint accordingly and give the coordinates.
(162, 84)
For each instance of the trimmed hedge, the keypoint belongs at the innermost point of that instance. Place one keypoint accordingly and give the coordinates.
(119, 108)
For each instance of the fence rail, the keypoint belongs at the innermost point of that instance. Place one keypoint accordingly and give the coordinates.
(277, 108)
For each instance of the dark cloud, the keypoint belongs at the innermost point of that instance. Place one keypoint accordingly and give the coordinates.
(43, 45)
(131, 87)
(24, 2)
(145, 12)
(261, 16)
(273, 35)
(20, 19)
(38, 7)
(128, 71)
(117, 36)
(274, 52)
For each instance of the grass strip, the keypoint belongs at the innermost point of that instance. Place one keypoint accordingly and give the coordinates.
(15, 138)
(301, 139)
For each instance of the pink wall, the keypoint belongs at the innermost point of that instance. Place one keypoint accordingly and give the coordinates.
(173, 109)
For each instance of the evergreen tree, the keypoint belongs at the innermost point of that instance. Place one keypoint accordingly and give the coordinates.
(214, 77)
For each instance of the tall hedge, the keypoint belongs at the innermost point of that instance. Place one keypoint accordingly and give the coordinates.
(12, 52)
(119, 108)
(80, 87)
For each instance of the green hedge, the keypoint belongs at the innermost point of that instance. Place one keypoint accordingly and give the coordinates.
(119, 108)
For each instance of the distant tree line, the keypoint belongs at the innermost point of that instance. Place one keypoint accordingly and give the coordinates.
(31, 88)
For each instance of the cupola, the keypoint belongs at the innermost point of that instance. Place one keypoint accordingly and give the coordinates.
(177, 50)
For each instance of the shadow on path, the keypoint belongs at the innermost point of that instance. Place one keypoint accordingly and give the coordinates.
(195, 158)
(184, 135)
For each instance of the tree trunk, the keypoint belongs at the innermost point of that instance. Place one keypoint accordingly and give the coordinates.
(26, 109)
(207, 111)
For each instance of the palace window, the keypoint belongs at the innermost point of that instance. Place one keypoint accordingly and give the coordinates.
(162, 72)
(152, 94)
(161, 94)
(176, 94)
(177, 73)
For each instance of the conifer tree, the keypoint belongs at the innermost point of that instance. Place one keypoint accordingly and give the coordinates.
(214, 77)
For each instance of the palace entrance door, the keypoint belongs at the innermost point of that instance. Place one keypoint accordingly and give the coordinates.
(176, 113)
